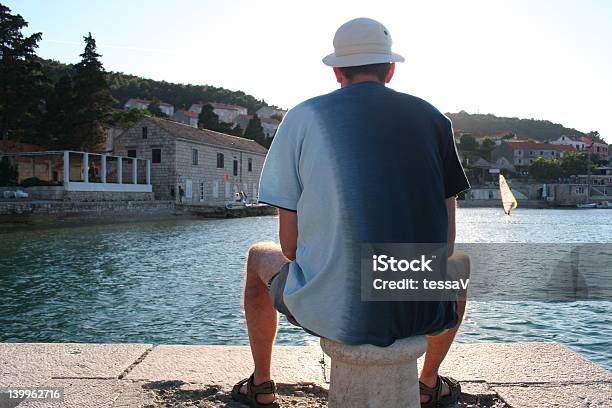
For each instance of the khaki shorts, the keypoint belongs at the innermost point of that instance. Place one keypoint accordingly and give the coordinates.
(276, 286)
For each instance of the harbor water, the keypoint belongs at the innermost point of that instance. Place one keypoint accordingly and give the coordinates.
(180, 282)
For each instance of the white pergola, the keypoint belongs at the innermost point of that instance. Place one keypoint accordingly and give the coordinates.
(119, 186)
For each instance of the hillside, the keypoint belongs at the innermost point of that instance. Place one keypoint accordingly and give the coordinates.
(124, 86)
(540, 130)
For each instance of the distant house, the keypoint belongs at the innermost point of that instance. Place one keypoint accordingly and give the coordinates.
(166, 108)
(227, 113)
(268, 112)
(209, 167)
(186, 117)
(521, 154)
(137, 103)
(243, 121)
(574, 141)
(269, 126)
(595, 148)
(196, 107)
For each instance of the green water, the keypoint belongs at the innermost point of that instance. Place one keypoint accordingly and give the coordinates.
(181, 281)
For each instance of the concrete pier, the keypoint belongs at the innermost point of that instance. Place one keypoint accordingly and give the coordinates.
(142, 375)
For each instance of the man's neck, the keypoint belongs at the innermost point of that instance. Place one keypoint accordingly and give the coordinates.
(361, 78)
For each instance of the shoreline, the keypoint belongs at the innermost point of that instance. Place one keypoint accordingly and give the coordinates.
(23, 213)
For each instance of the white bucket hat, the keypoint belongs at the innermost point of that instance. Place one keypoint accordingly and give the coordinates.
(361, 41)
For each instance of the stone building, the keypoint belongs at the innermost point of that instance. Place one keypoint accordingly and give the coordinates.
(522, 154)
(210, 167)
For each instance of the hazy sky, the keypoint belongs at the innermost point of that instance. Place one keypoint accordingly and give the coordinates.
(531, 59)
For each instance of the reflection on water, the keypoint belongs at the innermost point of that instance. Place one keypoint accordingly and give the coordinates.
(181, 281)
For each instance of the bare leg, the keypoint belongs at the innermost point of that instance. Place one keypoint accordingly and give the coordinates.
(264, 260)
(438, 346)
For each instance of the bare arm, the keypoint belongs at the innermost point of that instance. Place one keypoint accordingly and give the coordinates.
(451, 205)
(288, 232)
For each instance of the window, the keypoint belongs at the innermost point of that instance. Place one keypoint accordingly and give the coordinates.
(131, 153)
(194, 157)
(145, 132)
(235, 167)
(156, 155)
(250, 164)
(220, 163)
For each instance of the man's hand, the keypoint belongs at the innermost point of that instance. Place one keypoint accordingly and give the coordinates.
(288, 232)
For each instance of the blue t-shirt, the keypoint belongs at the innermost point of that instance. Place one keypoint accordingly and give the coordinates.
(361, 164)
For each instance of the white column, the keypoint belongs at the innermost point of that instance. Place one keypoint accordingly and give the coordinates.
(66, 168)
(135, 171)
(103, 168)
(86, 167)
(119, 170)
(148, 171)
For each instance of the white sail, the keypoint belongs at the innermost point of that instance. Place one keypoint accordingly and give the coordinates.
(508, 200)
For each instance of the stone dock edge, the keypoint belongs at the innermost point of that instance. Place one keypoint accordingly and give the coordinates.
(132, 375)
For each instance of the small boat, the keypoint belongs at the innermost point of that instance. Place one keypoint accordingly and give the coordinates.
(508, 200)
(587, 205)
(235, 205)
(604, 205)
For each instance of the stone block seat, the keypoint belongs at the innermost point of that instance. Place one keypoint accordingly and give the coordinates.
(372, 377)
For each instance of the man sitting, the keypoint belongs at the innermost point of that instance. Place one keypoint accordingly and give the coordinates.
(362, 164)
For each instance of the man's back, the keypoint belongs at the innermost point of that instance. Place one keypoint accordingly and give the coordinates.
(361, 164)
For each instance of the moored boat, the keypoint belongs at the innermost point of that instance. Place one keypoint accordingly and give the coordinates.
(587, 205)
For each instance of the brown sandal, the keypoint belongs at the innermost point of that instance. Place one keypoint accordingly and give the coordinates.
(250, 398)
(437, 400)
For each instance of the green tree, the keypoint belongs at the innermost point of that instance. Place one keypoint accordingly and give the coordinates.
(208, 119)
(545, 170)
(486, 148)
(236, 131)
(468, 142)
(8, 172)
(93, 101)
(125, 118)
(574, 164)
(22, 84)
(155, 110)
(59, 118)
(254, 131)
